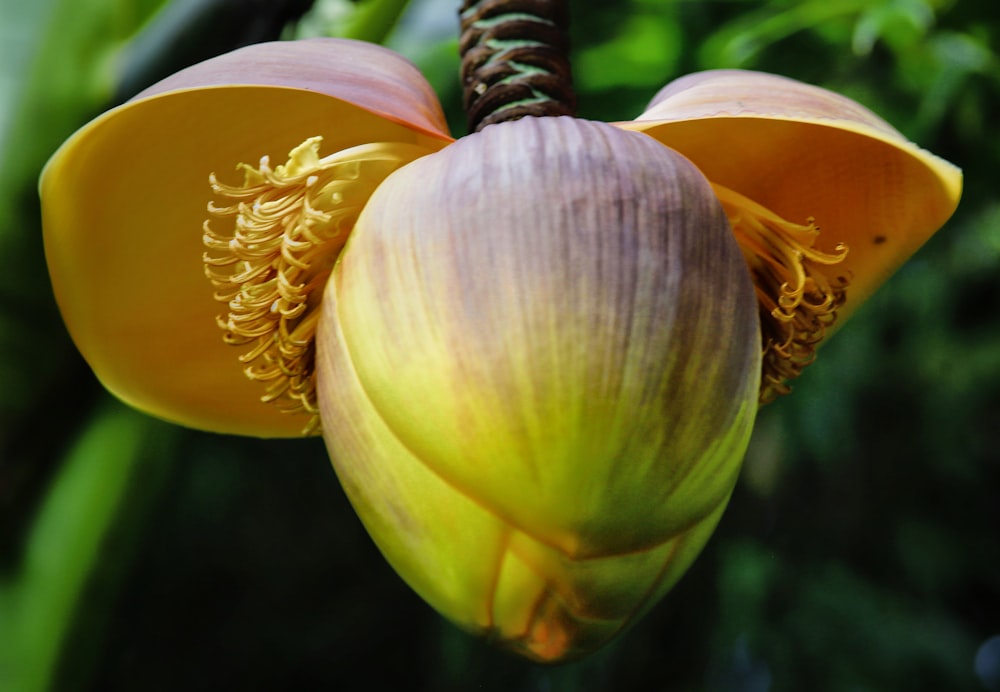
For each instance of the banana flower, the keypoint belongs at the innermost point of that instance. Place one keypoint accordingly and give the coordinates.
(534, 353)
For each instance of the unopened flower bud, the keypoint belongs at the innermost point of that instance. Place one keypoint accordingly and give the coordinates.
(539, 360)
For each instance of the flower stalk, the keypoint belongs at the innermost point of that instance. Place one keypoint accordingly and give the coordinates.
(515, 60)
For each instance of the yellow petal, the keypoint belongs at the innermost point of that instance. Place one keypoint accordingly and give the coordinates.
(539, 363)
(806, 153)
(124, 200)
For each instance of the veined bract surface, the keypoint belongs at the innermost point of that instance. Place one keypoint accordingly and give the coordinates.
(539, 361)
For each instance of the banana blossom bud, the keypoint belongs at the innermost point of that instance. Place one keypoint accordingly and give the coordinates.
(534, 353)
(539, 362)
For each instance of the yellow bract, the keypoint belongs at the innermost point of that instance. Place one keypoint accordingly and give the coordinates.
(125, 198)
(803, 152)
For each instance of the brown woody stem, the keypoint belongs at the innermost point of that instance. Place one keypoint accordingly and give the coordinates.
(515, 60)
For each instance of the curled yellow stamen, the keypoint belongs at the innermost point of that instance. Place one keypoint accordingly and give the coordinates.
(798, 292)
(285, 227)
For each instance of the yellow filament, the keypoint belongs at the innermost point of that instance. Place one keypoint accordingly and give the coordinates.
(798, 292)
(284, 229)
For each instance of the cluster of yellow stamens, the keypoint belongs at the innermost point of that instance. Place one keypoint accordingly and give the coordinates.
(285, 228)
(797, 296)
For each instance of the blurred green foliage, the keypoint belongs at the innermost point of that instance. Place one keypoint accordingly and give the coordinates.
(860, 550)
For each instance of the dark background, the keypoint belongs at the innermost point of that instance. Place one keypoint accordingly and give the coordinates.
(859, 552)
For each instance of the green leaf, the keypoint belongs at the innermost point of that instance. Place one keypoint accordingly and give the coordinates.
(367, 20)
(647, 47)
(65, 544)
(738, 43)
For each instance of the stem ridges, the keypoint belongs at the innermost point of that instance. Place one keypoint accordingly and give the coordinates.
(515, 60)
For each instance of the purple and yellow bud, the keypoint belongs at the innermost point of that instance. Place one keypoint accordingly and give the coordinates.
(538, 364)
